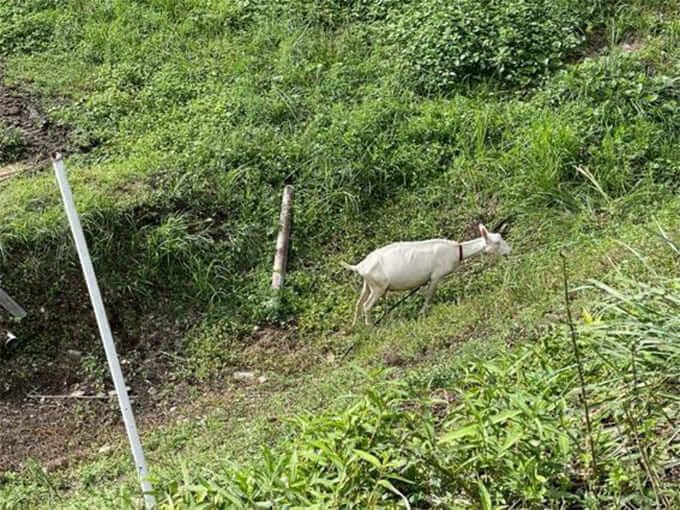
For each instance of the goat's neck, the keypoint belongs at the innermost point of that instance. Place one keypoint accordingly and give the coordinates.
(473, 247)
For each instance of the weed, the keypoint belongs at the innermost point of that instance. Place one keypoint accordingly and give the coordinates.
(12, 144)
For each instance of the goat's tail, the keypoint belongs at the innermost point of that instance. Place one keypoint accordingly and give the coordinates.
(348, 266)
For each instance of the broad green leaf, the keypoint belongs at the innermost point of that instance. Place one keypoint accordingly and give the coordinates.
(484, 496)
(505, 415)
(563, 442)
(368, 458)
(512, 438)
(400, 478)
(458, 433)
(393, 489)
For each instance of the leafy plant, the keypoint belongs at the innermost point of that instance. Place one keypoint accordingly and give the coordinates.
(26, 26)
(443, 44)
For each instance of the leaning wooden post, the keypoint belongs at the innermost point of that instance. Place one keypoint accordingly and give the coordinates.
(281, 257)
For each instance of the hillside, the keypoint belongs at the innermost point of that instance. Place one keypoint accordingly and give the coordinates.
(181, 121)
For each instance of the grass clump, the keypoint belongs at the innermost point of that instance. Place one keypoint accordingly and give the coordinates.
(197, 123)
(12, 143)
(26, 27)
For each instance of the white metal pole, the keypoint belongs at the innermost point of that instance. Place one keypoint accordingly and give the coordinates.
(104, 329)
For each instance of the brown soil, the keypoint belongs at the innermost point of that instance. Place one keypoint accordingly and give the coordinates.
(58, 352)
(35, 423)
(58, 432)
(633, 44)
(40, 136)
(37, 426)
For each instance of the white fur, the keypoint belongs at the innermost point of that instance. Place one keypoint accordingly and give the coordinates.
(407, 265)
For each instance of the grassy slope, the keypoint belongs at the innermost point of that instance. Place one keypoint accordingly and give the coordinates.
(193, 118)
(232, 426)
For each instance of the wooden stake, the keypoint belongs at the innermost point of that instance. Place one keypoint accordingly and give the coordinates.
(281, 257)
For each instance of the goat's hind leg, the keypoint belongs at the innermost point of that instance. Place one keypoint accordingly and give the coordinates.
(362, 298)
(376, 293)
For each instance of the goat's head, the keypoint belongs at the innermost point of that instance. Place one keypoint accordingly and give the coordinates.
(495, 244)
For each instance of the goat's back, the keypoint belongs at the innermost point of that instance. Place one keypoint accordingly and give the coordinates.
(408, 264)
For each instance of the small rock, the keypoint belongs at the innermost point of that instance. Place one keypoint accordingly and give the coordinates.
(10, 338)
(57, 463)
(244, 376)
(78, 393)
(262, 379)
(105, 449)
(74, 355)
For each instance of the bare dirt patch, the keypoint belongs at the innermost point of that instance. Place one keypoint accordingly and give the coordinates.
(599, 45)
(632, 44)
(279, 350)
(57, 432)
(27, 135)
(58, 353)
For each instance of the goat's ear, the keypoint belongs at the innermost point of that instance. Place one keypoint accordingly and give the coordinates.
(483, 231)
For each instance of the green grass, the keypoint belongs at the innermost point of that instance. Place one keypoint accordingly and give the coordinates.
(194, 116)
(438, 352)
(487, 432)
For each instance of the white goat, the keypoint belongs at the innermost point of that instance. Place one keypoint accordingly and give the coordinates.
(408, 265)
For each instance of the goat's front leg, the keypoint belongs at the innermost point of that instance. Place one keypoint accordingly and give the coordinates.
(429, 292)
